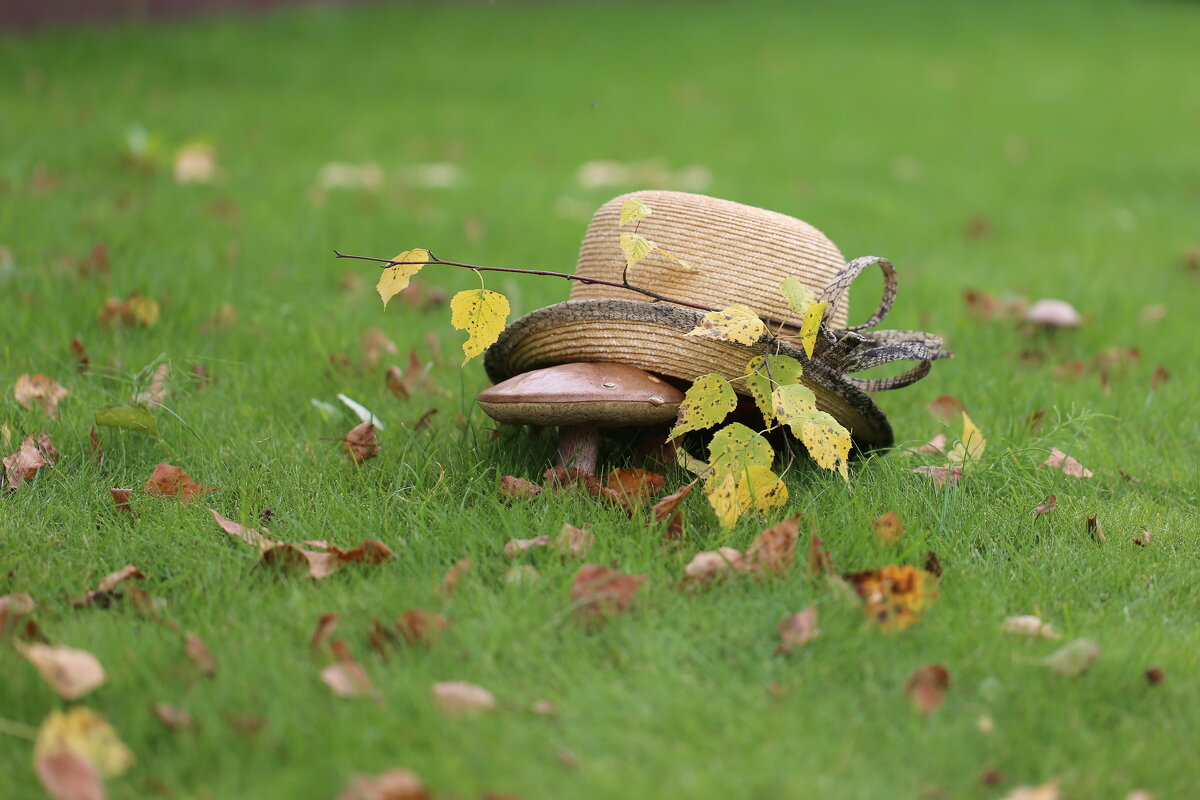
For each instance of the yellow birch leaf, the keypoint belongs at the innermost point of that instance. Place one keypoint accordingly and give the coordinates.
(735, 448)
(764, 373)
(635, 247)
(394, 279)
(797, 295)
(634, 209)
(85, 733)
(735, 323)
(811, 326)
(729, 500)
(706, 403)
(793, 405)
(765, 489)
(482, 314)
(828, 442)
(142, 309)
(971, 446)
(674, 258)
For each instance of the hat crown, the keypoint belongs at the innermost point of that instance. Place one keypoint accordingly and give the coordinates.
(737, 254)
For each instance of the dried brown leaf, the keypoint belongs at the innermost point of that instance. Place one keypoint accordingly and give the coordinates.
(1060, 460)
(668, 508)
(774, 550)
(374, 344)
(294, 558)
(198, 653)
(121, 498)
(40, 389)
(1047, 505)
(1094, 529)
(798, 629)
(69, 776)
(517, 489)
(889, 528)
(347, 678)
(171, 481)
(1142, 539)
(573, 541)
(247, 535)
(1028, 625)
(26, 461)
(820, 562)
(103, 594)
(941, 475)
(174, 718)
(926, 688)
(94, 446)
(70, 672)
(932, 564)
(458, 698)
(708, 566)
(361, 443)
(395, 784)
(936, 446)
(326, 625)
(514, 547)
(1155, 676)
(635, 485)
(600, 592)
(947, 409)
(370, 551)
(453, 576)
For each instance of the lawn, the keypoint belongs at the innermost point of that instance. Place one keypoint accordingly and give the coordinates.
(1023, 149)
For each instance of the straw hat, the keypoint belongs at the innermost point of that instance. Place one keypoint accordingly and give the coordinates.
(737, 254)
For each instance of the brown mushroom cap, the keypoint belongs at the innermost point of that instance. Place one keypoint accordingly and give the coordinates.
(594, 395)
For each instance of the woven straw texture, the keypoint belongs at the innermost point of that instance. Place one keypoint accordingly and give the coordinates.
(738, 254)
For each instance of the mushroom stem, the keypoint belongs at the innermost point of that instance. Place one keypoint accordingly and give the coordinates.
(578, 446)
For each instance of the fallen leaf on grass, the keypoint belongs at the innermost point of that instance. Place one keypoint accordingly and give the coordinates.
(198, 653)
(132, 418)
(708, 566)
(1060, 460)
(407, 382)
(515, 547)
(361, 443)
(458, 698)
(247, 535)
(395, 784)
(1030, 626)
(374, 344)
(1074, 658)
(600, 592)
(1047, 791)
(1155, 676)
(797, 629)
(68, 776)
(28, 459)
(1142, 539)
(936, 446)
(70, 672)
(121, 499)
(947, 409)
(820, 562)
(635, 485)
(1094, 529)
(421, 627)
(294, 558)
(894, 596)
(1047, 505)
(40, 389)
(926, 688)
(668, 509)
(346, 678)
(888, 528)
(574, 541)
(170, 481)
(85, 733)
(370, 551)
(103, 594)
(517, 489)
(174, 718)
(326, 624)
(932, 564)
(774, 550)
(13, 606)
(453, 576)
(135, 309)
(941, 475)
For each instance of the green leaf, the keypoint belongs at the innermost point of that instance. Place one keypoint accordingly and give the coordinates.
(482, 314)
(736, 447)
(706, 403)
(797, 295)
(764, 373)
(735, 323)
(394, 279)
(133, 418)
(633, 210)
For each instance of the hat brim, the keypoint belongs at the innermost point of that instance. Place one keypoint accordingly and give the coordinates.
(653, 336)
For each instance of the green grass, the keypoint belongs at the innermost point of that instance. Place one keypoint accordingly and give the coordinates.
(1071, 127)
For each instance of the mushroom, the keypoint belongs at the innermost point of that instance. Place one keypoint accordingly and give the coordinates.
(1053, 314)
(581, 399)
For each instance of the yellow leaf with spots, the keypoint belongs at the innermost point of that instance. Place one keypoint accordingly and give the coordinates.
(707, 402)
(797, 295)
(88, 735)
(811, 326)
(828, 442)
(764, 373)
(766, 490)
(736, 447)
(793, 405)
(736, 323)
(972, 444)
(634, 209)
(635, 247)
(729, 500)
(482, 314)
(394, 279)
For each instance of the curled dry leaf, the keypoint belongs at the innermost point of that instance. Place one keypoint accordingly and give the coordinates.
(198, 653)
(517, 489)
(421, 627)
(635, 485)
(103, 594)
(708, 566)
(121, 499)
(170, 481)
(820, 562)
(40, 389)
(174, 718)
(361, 443)
(888, 528)
(1094, 529)
(574, 541)
(1074, 658)
(1047, 505)
(774, 550)
(941, 475)
(1060, 460)
(797, 629)
(1155, 676)
(346, 678)
(1142, 539)
(926, 688)
(894, 596)
(1030, 626)
(69, 776)
(395, 784)
(932, 564)
(600, 592)
(247, 535)
(668, 509)
(296, 559)
(453, 576)
(458, 698)
(326, 624)
(515, 547)
(70, 672)
(28, 459)
(370, 551)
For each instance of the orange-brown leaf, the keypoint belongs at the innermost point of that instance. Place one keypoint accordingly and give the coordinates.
(708, 566)
(171, 481)
(668, 508)
(70, 672)
(199, 654)
(600, 592)
(370, 551)
(820, 562)
(458, 698)
(941, 475)
(121, 498)
(66, 775)
(347, 678)
(637, 485)
(889, 528)
(798, 629)
(926, 688)
(421, 627)
(894, 596)
(453, 576)
(774, 550)
(395, 784)
(361, 443)
(247, 535)
(1060, 460)
(103, 593)
(517, 489)
(40, 389)
(28, 459)
(326, 625)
